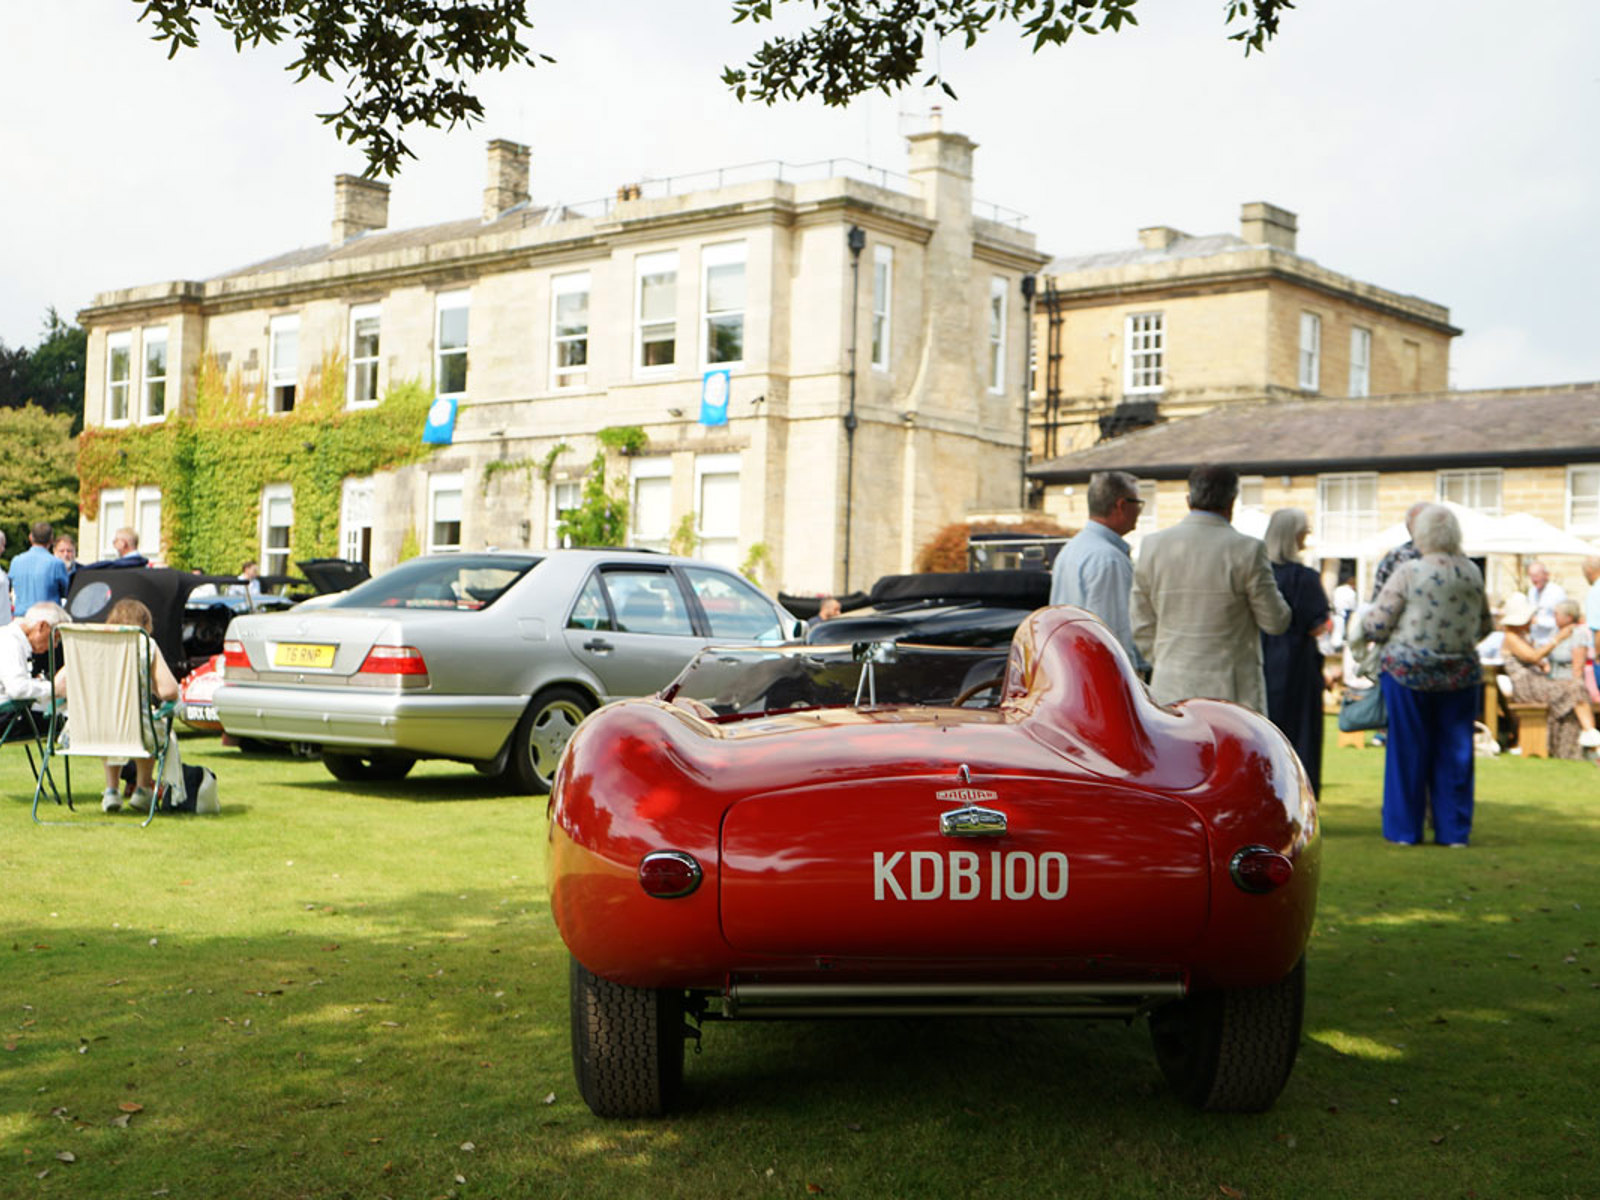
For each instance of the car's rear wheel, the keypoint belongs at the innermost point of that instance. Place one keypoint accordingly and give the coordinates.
(367, 768)
(1231, 1050)
(627, 1045)
(542, 734)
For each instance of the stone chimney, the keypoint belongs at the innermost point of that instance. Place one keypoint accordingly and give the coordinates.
(1159, 237)
(1263, 224)
(507, 184)
(941, 164)
(358, 205)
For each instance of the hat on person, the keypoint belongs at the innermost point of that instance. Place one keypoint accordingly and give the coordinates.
(1517, 611)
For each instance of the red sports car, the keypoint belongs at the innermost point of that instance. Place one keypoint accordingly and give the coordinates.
(815, 832)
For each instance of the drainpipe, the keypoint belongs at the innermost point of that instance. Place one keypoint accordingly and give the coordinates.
(1029, 288)
(856, 239)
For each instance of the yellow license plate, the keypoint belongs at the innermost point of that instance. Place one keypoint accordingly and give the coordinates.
(293, 654)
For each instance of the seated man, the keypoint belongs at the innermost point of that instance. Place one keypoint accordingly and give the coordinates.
(126, 543)
(20, 640)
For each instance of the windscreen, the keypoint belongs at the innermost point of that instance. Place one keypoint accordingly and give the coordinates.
(461, 582)
(737, 683)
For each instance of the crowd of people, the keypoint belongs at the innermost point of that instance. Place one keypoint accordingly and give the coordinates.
(33, 592)
(1207, 611)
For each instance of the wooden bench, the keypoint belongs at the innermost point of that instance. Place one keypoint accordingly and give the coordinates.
(1533, 729)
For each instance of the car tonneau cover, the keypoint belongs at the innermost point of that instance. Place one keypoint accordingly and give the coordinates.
(1021, 589)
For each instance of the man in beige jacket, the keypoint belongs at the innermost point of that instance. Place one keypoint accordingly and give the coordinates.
(1202, 596)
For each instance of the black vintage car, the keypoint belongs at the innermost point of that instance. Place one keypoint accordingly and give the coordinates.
(938, 609)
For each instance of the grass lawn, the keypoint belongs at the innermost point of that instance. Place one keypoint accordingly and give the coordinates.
(328, 992)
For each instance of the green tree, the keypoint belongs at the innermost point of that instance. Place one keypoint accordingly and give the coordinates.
(38, 473)
(49, 375)
(403, 62)
(854, 46)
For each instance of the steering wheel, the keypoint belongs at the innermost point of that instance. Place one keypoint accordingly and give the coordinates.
(976, 689)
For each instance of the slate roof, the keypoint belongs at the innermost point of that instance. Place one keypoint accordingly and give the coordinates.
(1184, 247)
(388, 241)
(1538, 426)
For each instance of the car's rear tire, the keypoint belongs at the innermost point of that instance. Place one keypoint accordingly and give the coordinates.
(627, 1045)
(367, 768)
(1231, 1050)
(541, 735)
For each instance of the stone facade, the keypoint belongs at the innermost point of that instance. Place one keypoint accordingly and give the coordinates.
(935, 400)
(1228, 312)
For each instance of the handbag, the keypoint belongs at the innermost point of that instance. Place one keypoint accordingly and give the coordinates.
(1360, 710)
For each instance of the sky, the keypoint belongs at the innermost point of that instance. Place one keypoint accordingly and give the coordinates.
(1448, 149)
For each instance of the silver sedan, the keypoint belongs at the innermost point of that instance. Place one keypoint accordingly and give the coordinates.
(489, 658)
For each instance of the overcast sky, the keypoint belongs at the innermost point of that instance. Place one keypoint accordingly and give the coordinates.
(1446, 148)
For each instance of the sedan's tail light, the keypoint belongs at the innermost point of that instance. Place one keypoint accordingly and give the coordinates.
(1260, 869)
(233, 656)
(394, 660)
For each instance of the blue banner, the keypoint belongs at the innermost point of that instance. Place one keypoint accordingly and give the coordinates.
(714, 389)
(441, 427)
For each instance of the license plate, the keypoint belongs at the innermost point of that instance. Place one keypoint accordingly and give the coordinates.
(294, 654)
(200, 712)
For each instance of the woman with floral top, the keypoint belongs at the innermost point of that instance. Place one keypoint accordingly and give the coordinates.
(1536, 679)
(1429, 618)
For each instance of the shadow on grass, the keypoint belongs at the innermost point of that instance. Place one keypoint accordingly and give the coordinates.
(421, 789)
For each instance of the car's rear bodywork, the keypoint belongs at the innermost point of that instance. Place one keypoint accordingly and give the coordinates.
(1076, 849)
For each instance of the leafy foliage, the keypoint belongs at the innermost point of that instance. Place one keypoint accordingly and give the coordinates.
(38, 473)
(601, 518)
(686, 537)
(947, 549)
(757, 564)
(855, 46)
(403, 62)
(212, 465)
(49, 375)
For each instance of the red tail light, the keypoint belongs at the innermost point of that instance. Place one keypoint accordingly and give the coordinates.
(668, 874)
(394, 660)
(1260, 869)
(233, 655)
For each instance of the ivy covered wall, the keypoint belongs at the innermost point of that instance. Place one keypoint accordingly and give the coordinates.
(212, 461)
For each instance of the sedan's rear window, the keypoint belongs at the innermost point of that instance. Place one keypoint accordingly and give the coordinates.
(463, 582)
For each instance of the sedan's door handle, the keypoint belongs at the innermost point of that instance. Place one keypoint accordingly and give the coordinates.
(599, 646)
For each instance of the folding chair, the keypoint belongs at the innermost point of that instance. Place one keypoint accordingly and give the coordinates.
(114, 712)
(21, 722)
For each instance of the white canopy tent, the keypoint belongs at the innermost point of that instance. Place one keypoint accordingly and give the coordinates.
(1517, 536)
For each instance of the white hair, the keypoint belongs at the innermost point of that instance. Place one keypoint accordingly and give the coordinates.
(48, 611)
(1284, 528)
(1436, 531)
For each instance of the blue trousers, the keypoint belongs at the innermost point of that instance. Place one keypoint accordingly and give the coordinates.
(1428, 762)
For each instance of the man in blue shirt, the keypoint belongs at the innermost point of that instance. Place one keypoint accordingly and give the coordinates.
(38, 575)
(1095, 570)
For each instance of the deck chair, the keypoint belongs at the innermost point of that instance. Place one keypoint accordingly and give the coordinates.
(112, 704)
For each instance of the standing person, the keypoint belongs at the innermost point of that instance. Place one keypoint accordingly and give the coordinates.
(1202, 595)
(250, 581)
(1542, 594)
(1345, 600)
(827, 610)
(1095, 570)
(36, 574)
(5, 588)
(1403, 553)
(1429, 619)
(1591, 614)
(67, 551)
(1292, 660)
